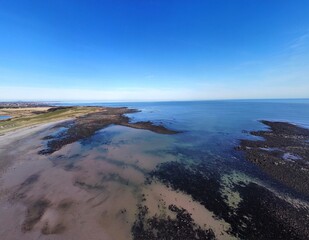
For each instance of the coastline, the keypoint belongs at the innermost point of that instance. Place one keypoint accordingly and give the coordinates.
(46, 193)
(90, 118)
(102, 176)
(97, 117)
(8, 139)
(31, 116)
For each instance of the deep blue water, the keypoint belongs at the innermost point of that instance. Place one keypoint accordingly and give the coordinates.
(219, 114)
(212, 129)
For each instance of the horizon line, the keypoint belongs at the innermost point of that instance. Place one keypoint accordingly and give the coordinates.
(135, 101)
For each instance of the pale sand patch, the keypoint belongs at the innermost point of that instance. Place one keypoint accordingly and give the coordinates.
(14, 135)
(26, 134)
(159, 197)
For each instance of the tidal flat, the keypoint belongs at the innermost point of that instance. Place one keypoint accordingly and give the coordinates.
(101, 175)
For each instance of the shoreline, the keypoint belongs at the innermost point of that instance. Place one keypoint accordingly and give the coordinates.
(15, 135)
(87, 125)
(69, 179)
(103, 116)
(92, 119)
(31, 116)
(105, 191)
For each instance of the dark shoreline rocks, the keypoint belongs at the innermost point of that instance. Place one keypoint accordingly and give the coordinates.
(260, 214)
(180, 228)
(283, 154)
(85, 126)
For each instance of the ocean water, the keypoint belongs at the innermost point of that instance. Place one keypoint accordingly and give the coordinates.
(212, 129)
(114, 167)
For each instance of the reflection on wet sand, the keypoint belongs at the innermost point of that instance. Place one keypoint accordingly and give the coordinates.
(86, 192)
(111, 186)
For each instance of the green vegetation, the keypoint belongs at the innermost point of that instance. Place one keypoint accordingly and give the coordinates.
(26, 118)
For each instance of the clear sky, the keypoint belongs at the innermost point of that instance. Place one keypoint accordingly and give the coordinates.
(136, 50)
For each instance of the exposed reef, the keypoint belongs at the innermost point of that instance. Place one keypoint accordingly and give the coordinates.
(259, 214)
(182, 227)
(283, 154)
(85, 126)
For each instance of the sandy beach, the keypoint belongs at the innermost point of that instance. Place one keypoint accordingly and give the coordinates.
(93, 194)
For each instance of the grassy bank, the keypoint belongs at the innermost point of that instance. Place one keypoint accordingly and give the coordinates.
(27, 117)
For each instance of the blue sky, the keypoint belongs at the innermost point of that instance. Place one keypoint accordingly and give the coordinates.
(135, 50)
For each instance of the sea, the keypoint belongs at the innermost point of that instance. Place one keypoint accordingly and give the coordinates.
(124, 183)
(212, 130)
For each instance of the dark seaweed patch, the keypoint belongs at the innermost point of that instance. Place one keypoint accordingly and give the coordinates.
(265, 216)
(53, 109)
(260, 214)
(86, 126)
(157, 228)
(196, 181)
(269, 154)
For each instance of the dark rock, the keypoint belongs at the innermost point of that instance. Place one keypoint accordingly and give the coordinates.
(282, 138)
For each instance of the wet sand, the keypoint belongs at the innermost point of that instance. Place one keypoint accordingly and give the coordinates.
(122, 183)
(83, 191)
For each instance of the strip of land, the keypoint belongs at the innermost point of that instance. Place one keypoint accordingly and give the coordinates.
(31, 116)
(85, 126)
(82, 122)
